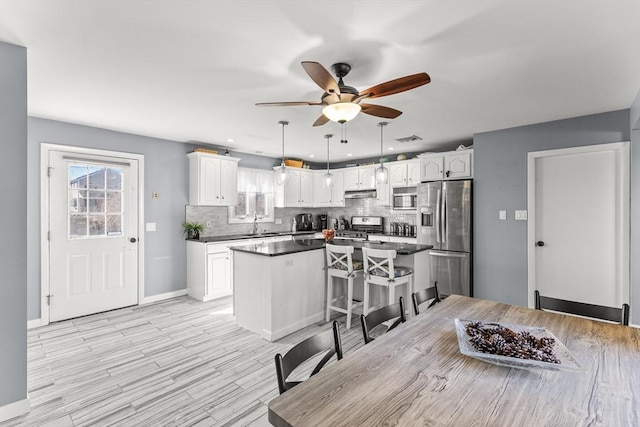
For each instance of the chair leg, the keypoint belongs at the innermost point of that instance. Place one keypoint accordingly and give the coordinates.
(329, 297)
(349, 300)
(365, 303)
(409, 292)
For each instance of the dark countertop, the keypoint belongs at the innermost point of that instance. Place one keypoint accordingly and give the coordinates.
(213, 239)
(295, 246)
(393, 235)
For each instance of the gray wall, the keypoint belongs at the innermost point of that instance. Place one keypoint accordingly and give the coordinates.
(500, 182)
(166, 171)
(13, 246)
(635, 208)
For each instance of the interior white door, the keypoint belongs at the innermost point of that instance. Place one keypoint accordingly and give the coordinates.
(93, 222)
(577, 214)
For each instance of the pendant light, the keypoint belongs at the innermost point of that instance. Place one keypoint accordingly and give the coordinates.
(382, 173)
(281, 172)
(327, 179)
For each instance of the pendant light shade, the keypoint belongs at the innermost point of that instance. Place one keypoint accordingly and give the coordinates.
(327, 179)
(341, 112)
(281, 173)
(382, 173)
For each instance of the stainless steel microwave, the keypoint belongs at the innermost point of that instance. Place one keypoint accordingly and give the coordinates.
(405, 199)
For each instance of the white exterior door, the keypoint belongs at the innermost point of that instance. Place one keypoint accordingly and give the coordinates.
(93, 243)
(580, 235)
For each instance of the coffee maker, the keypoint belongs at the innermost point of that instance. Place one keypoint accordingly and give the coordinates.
(323, 222)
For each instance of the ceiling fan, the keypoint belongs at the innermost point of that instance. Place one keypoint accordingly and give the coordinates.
(342, 103)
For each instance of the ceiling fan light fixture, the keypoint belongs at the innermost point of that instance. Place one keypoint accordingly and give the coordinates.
(341, 112)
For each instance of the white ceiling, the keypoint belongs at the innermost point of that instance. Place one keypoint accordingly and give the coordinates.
(192, 70)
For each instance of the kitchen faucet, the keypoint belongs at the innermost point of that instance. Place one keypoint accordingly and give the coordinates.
(255, 222)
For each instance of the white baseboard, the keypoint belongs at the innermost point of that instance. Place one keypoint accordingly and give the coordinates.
(15, 409)
(283, 332)
(34, 323)
(161, 297)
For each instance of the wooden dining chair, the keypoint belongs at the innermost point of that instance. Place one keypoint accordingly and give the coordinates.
(424, 296)
(379, 270)
(328, 341)
(613, 314)
(377, 317)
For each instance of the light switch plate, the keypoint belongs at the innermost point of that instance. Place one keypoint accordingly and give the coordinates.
(209, 224)
(502, 215)
(521, 215)
(151, 226)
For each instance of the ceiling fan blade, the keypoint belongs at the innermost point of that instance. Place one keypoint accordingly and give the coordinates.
(380, 111)
(321, 120)
(285, 104)
(397, 85)
(321, 76)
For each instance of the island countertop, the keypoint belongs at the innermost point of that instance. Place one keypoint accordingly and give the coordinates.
(224, 238)
(295, 246)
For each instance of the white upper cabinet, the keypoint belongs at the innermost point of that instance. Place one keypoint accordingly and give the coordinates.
(451, 165)
(360, 178)
(333, 196)
(298, 190)
(213, 180)
(404, 173)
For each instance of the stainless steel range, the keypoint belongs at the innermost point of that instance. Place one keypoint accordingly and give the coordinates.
(361, 226)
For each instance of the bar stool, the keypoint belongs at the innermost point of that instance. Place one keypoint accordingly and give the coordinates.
(340, 265)
(379, 270)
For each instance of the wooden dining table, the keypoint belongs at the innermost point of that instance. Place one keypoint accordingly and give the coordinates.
(415, 375)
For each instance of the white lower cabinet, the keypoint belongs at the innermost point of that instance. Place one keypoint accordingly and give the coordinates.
(210, 266)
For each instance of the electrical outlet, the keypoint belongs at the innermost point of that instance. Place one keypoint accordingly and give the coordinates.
(278, 221)
(288, 263)
(151, 226)
(502, 215)
(521, 215)
(208, 224)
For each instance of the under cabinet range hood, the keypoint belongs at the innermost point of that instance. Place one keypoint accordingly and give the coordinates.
(360, 194)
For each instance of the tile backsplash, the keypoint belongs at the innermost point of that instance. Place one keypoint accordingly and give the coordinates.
(218, 216)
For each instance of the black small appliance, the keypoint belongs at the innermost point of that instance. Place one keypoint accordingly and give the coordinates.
(304, 222)
(323, 222)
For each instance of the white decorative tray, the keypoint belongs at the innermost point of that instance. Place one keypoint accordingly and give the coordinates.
(565, 360)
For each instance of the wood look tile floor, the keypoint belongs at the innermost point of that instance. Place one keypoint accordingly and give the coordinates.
(178, 362)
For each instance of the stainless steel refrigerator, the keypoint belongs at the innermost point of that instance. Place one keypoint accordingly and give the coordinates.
(444, 221)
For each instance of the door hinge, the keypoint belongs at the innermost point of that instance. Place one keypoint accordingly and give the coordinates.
(49, 299)
(49, 171)
(49, 235)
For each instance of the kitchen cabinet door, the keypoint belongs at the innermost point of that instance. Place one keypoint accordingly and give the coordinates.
(306, 188)
(431, 167)
(397, 174)
(458, 165)
(207, 182)
(367, 178)
(228, 183)
(292, 189)
(321, 194)
(337, 191)
(218, 274)
(413, 172)
(351, 179)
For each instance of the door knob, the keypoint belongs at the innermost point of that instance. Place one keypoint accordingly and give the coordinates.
(540, 243)
(133, 240)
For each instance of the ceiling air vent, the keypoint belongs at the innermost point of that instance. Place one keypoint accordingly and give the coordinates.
(409, 138)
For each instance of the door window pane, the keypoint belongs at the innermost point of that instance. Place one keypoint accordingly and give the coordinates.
(89, 201)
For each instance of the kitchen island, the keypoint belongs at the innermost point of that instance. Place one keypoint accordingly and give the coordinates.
(280, 287)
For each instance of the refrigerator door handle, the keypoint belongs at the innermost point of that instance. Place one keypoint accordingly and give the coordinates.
(438, 217)
(449, 254)
(443, 215)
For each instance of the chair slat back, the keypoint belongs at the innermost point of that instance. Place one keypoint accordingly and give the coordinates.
(425, 295)
(377, 317)
(612, 314)
(379, 259)
(327, 341)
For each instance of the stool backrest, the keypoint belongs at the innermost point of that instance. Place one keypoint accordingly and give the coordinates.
(339, 257)
(379, 260)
